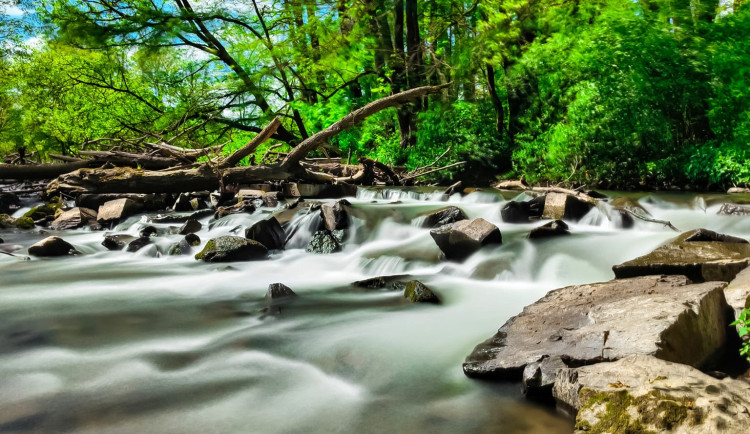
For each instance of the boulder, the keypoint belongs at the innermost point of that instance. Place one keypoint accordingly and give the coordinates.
(249, 194)
(9, 203)
(8, 222)
(180, 217)
(180, 248)
(267, 232)
(147, 232)
(641, 394)
(325, 242)
(321, 191)
(52, 246)
(192, 239)
(461, 239)
(190, 227)
(240, 207)
(561, 206)
(117, 242)
(689, 255)
(42, 212)
(148, 202)
(334, 215)
(74, 218)
(664, 316)
(389, 283)
(443, 216)
(278, 291)
(229, 248)
(197, 204)
(738, 190)
(182, 203)
(417, 292)
(218, 199)
(734, 209)
(272, 199)
(523, 212)
(115, 210)
(737, 292)
(138, 244)
(551, 229)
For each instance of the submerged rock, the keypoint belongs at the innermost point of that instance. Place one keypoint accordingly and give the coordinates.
(138, 243)
(561, 206)
(389, 283)
(52, 246)
(267, 232)
(278, 291)
(664, 316)
(74, 218)
(9, 203)
(443, 216)
(691, 256)
(180, 248)
(229, 248)
(523, 212)
(148, 231)
(417, 292)
(325, 242)
(551, 229)
(189, 227)
(461, 239)
(643, 394)
(117, 242)
(193, 239)
(114, 211)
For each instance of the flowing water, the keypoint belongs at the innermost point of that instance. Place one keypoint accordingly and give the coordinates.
(117, 342)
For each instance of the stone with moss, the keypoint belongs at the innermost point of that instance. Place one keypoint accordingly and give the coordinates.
(8, 222)
(229, 248)
(418, 292)
(643, 394)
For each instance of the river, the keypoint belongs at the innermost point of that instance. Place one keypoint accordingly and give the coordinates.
(117, 342)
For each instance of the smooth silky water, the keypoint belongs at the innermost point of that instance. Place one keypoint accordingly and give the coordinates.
(116, 342)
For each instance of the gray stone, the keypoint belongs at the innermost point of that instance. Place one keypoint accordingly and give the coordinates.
(701, 261)
(389, 283)
(192, 239)
(52, 246)
(229, 248)
(267, 232)
(734, 209)
(272, 198)
(190, 227)
(461, 239)
(322, 191)
(147, 232)
(417, 292)
(561, 206)
(9, 203)
(664, 316)
(138, 244)
(117, 242)
(523, 212)
(74, 218)
(707, 235)
(443, 216)
(240, 207)
(198, 204)
(737, 292)
(552, 229)
(641, 393)
(115, 210)
(278, 291)
(178, 249)
(738, 190)
(148, 202)
(182, 203)
(325, 242)
(334, 215)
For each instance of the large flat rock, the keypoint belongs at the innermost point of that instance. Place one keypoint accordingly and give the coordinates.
(644, 394)
(664, 316)
(737, 292)
(699, 254)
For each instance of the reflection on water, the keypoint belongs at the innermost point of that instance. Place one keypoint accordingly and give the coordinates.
(114, 342)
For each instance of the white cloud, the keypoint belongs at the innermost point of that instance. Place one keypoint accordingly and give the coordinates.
(11, 10)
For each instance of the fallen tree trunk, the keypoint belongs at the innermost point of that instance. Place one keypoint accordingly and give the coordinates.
(118, 158)
(249, 148)
(42, 171)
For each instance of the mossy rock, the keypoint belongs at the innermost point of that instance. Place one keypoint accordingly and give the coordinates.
(41, 211)
(8, 222)
(228, 249)
(417, 292)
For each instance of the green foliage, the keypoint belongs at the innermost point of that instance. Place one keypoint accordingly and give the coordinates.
(743, 328)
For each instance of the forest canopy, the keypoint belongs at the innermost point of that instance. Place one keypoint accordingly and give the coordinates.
(611, 93)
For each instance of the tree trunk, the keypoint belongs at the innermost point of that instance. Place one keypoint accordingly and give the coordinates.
(496, 102)
(42, 171)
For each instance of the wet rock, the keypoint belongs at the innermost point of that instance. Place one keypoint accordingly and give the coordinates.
(523, 212)
(180, 248)
(74, 218)
(240, 207)
(192, 239)
(626, 203)
(198, 204)
(272, 199)
(325, 242)
(229, 248)
(114, 211)
(561, 206)
(147, 232)
(41, 212)
(52, 246)
(249, 194)
(8, 222)
(707, 235)
(9, 203)
(734, 209)
(461, 239)
(551, 229)
(278, 291)
(664, 316)
(641, 393)
(417, 292)
(737, 292)
(222, 199)
(267, 232)
(738, 190)
(389, 283)
(321, 191)
(138, 244)
(180, 217)
(190, 227)
(147, 202)
(538, 377)
(334, 215)
(117, 242)
(700, 261)
(443, 216)
(182, 203)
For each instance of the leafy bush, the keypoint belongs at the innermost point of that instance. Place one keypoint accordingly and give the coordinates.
(743, 321)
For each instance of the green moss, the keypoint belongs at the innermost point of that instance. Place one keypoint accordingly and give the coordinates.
(24, 223)
(210, 246)
(655, 410)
